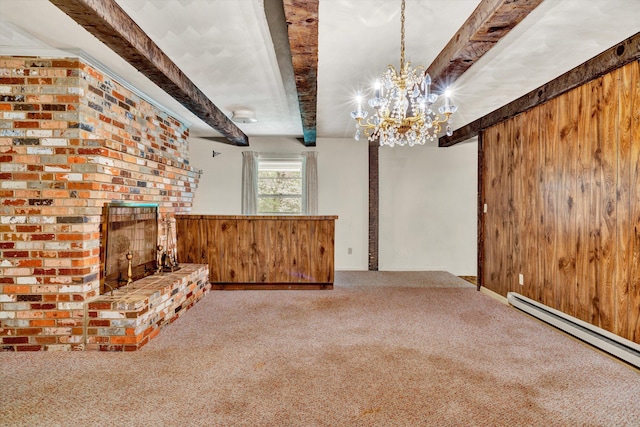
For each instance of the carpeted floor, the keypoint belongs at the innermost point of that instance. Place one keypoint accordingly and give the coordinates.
(381, 349)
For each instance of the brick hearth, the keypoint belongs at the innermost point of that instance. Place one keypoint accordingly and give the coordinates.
(128, 318)
(72, 138)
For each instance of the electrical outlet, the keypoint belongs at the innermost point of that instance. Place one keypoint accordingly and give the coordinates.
(349, 251)
(521, 279)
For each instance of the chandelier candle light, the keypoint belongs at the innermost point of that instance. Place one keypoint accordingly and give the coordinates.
(402, 105)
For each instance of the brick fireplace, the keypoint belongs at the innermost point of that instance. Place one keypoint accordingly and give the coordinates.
(73, 139)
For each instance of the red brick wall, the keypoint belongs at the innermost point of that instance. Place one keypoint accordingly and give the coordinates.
(71, 139)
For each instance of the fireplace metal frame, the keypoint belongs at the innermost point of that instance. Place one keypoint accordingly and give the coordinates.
(121, 235)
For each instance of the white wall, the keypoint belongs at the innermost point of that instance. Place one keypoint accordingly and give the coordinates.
(428, 208)
(343, 175)
(427, 198)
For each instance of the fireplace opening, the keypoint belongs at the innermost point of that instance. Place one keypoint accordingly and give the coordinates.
(129, 231)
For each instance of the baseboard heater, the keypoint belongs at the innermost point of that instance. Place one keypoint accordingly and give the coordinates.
(598, 337)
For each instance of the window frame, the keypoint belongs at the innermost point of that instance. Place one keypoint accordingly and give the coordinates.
(280, 158)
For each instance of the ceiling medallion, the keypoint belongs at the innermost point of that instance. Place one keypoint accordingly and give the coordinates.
(402, 104)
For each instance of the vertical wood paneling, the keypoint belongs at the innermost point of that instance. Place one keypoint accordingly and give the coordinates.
(608, 173)
(493, 231)
(209, 247)
(228, 235)
(304, 250)
(634, 226)
(282, 261)
(315, 231)
(514, 201)
(322, 250)
(562, 184)
(530, 203)
(507, 205)
(184, 255)
(327, 249)
(595, 206)
(623, 206)
(258, 267)
(566, 208)
(246, 243)
(549, 137)
(260, 250)
(584, 256)
(272, 250)
(540, 217)
(503, 205)
(294, 252)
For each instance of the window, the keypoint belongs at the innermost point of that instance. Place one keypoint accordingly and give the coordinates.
(281, 186)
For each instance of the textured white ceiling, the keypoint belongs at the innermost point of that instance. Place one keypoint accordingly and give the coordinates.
(225, 48)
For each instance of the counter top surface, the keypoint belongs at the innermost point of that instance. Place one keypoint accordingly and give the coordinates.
(259, 217)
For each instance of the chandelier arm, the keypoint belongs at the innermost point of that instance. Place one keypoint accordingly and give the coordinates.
(361, 124)
(420, 68)
(366, 125)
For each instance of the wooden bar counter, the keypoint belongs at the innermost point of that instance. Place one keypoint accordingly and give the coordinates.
(260, 252)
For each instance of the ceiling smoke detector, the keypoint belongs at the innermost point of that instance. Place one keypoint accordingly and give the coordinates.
(244, 116)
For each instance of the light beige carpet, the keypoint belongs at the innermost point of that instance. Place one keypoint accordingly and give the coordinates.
(381, 349)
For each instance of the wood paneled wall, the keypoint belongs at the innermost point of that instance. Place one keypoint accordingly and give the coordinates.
(562, 187)
(264, 251)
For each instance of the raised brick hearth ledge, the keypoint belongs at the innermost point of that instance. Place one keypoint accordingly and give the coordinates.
(127, 319)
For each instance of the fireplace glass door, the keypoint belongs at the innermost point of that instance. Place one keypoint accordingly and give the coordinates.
(130, 229)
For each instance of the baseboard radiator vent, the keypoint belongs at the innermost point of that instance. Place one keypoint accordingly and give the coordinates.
(598, 337)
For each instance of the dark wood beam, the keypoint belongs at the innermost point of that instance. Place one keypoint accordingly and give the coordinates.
(274, 12)
(609, 60)
(481, 215)
(105, 20)
(374, 211)
(488, 23)
(302, 22)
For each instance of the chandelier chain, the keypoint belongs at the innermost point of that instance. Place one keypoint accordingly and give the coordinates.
(402, 36)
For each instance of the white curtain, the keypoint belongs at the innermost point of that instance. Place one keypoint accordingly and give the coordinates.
(311, 182)
(249, 183)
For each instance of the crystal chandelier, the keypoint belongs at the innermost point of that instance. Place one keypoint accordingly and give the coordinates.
(402, 104)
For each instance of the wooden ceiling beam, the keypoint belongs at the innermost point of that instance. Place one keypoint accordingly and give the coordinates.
(302, 27)
(105, 20)
(615, 57)
(486, 26)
